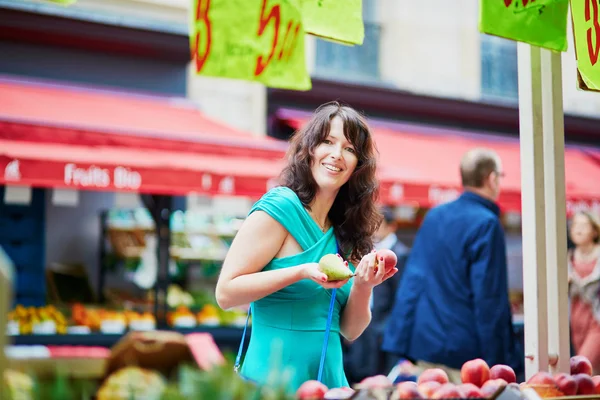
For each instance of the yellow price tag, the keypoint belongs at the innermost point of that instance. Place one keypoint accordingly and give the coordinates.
(586, 29)
(336, 20)
(538, 22)
(253, 40)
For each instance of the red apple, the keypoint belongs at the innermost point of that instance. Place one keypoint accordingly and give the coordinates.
(376, 382)
(389, 259)
(406, 390)
(566, 384)
(433, 374)
(596, 380)
(492, 386)
(475, 371)
(585, 384)
(447, 391)
(311, 390)
(542, 378)
(339, 393)
(501, 371)
(470, 391)
(581, 365)
(427, 389)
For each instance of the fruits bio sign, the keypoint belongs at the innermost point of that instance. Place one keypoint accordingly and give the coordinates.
(255, 40)
(538, 22)
(586, 27)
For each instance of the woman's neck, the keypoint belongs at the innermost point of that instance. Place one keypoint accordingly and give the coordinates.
(320, 206)
(586, 249)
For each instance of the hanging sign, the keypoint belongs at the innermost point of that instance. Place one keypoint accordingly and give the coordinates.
(586, 30)
(541, 23)
(253, 40)
(336, 20)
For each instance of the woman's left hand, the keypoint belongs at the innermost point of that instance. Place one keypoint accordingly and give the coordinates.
(366, 274)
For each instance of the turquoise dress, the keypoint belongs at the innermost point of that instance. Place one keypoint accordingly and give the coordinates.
(288, 326)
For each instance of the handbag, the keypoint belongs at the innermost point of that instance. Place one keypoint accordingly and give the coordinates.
(238, 358)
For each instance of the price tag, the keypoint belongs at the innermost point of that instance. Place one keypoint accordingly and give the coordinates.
(63, 2)
(336, 20)
(253, 40)
(538, 22)
(586, 29)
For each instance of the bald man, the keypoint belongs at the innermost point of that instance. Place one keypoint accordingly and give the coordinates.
(452, 304)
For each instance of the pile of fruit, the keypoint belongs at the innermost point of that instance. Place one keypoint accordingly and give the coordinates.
(479, 381)
(43, 320)
(209, 315)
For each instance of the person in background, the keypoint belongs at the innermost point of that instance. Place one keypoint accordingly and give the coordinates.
(364, 357)
(584, 287)
(452, 304)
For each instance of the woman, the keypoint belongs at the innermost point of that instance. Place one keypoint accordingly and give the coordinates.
(327, 199)
(584, 277)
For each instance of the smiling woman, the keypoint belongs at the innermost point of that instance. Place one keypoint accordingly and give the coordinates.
(326, 204)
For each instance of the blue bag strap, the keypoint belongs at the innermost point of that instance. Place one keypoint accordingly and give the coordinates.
(236, 365)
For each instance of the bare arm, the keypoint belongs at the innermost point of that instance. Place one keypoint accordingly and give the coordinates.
(357, 313)
(258, 241)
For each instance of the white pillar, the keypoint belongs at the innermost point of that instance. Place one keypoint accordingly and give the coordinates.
(555, 201)
(533, 210)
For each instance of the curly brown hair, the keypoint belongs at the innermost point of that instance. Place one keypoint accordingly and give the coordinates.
(354, 214)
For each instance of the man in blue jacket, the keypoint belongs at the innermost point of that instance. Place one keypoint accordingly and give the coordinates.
(452, 304)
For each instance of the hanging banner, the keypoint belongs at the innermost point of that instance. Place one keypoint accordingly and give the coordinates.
(586, 30)
(336, 20)
(253, 40)
(541, 23)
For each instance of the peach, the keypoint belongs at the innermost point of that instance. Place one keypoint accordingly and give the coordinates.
(389, 259)
(492, 386)
(542, 378)
(311, 390)
(433, 374)
(376, 382)
(475, 371)
(427, 389)
(501, 371)
(407, 390)
(596, 380)
(585, 384)
(470, 391)
(580, 365)
(447, 391)
(566, 384)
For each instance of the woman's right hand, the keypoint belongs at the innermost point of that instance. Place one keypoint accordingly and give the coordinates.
(311, 271)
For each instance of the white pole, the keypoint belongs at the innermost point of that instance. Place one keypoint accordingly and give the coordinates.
(555, 200)
(533, 210)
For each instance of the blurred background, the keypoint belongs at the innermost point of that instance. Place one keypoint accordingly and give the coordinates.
(107, 136)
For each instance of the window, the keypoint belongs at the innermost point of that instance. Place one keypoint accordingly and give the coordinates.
(498, 69)
(355, 63)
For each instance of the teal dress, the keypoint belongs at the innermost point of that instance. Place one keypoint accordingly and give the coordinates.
(288, 326)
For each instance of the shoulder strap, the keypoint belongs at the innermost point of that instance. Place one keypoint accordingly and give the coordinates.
(238, 358)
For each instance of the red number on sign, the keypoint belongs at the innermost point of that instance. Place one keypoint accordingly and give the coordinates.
(202, 15)
(507, 3)
(289, 41)
(593, 51)
(274, 15)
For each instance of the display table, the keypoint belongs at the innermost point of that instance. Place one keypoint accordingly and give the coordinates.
(227, 338)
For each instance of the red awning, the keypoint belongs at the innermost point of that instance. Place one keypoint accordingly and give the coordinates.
(65, 137)
(422, 168)
(31, 111)
(127, 169)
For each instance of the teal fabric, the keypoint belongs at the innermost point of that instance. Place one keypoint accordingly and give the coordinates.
(296, 316)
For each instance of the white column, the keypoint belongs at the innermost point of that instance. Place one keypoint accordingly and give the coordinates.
(532, 204)
(556, 225)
